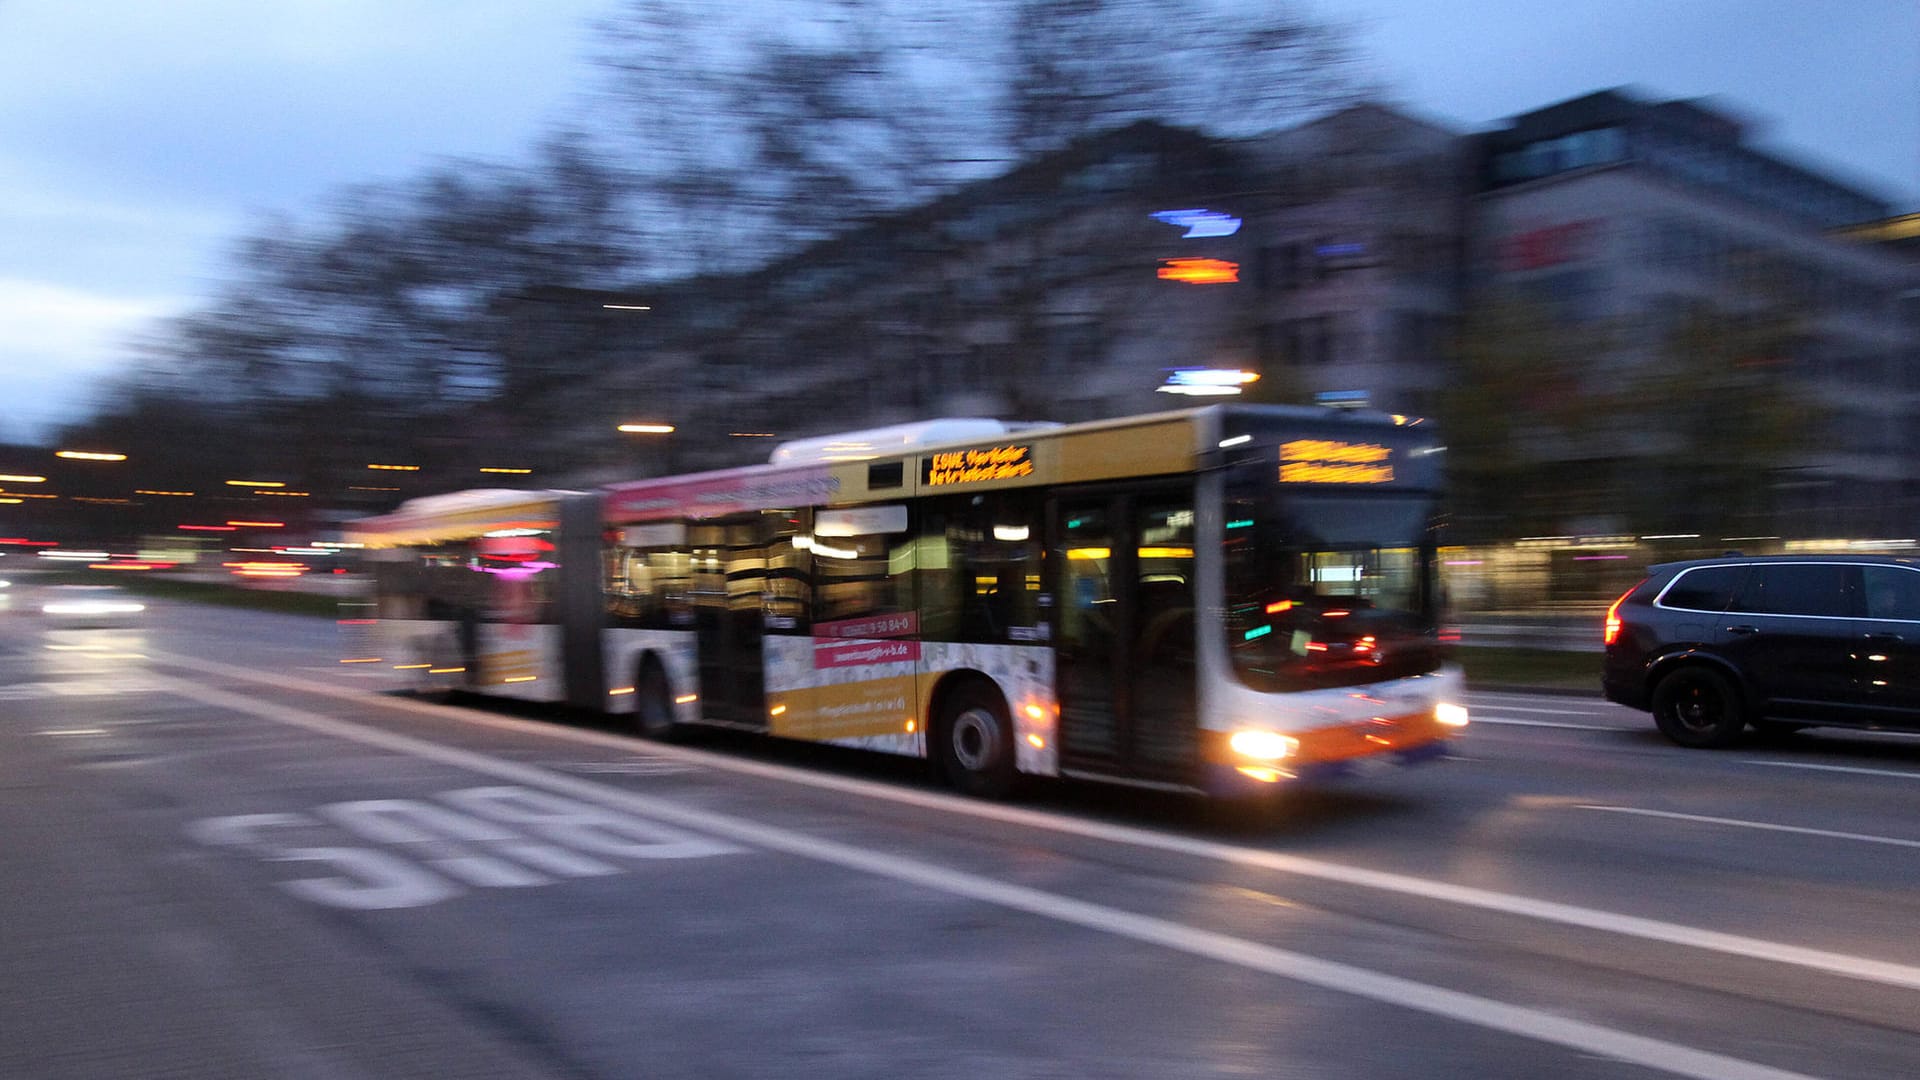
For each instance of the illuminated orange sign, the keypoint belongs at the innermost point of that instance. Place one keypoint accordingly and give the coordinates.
(1199, 271)
(973, 466)
(1327, 461)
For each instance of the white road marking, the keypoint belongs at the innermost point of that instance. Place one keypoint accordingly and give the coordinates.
(454, 844)
(1833, 768)
(1515, 721)
(1504, 707)
(1854, 967)
(1527, 1023)
(1768, 826)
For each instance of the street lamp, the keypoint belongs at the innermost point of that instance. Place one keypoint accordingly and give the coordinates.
(666, 444)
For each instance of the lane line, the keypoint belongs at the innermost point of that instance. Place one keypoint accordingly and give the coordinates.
(1532, 1024)
(1768, 826)
(1864, 969)
(1504, 707)
(1515, 721)
(1833, 768)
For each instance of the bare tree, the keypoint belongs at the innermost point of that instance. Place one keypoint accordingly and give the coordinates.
(753, 132)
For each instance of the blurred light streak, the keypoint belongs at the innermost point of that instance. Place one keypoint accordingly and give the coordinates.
(256, 483)
(626, 307)
(1200, 224)
(647, 429)
(150, 491)
(207, 528)
(1199, 271)
(21, 478)
(259, 524)
(89, 455)
(91, 607)
(395, 468)
(510, 472)
(285, 494)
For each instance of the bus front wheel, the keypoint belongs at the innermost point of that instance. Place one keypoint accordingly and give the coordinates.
(653, 702)
(976, 742)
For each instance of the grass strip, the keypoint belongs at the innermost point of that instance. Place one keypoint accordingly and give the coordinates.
(1551, 669)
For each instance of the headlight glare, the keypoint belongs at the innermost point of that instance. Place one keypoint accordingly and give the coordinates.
(1263, 745)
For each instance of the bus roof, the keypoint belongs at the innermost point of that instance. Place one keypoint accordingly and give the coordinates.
(458, 515)
(962, 455)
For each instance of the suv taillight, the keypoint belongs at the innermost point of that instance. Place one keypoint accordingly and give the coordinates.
(1613, 618)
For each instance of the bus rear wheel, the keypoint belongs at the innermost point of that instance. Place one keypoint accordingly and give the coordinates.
(976, 742)
(653, 703)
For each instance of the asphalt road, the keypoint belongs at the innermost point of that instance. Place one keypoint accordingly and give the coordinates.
(220, 856)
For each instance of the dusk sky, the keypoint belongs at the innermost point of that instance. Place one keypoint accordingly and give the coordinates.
(138, 140)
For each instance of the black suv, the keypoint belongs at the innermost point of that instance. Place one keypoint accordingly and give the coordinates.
(1779, 642)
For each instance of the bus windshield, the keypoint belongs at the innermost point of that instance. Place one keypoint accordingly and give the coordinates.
(1326, 589)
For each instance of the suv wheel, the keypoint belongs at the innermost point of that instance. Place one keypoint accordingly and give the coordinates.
(1698, 707)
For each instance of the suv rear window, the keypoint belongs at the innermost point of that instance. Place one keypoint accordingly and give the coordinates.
(1704, 588)
(1798, 589)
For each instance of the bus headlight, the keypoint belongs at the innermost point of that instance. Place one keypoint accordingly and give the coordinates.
(1450, 714)
(1263, 745)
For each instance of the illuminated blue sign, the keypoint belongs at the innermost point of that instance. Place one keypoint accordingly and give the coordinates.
(1343, 399)
(1337, 251)
(1200, 223)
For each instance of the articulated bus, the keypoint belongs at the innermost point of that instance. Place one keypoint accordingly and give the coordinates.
(1215, 600)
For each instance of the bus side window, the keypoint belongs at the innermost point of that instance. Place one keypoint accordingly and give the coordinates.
(868, 573)
(647, 587)
(787, 596)
(988, 586)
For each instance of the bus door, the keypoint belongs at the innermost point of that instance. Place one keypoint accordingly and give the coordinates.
(1122, 566)
(729, 570)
